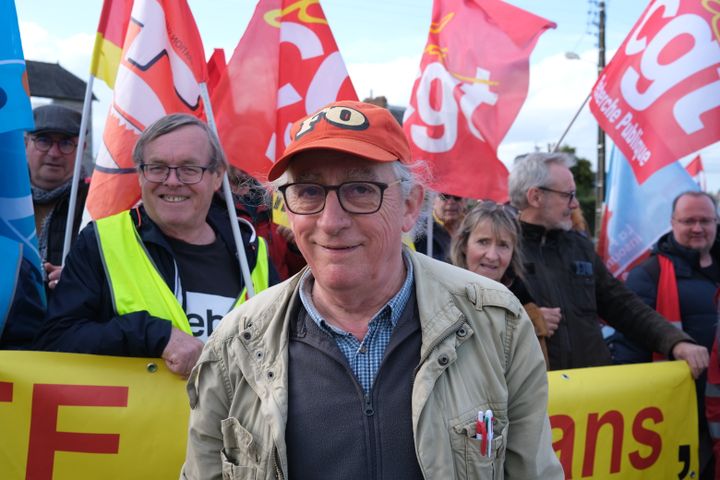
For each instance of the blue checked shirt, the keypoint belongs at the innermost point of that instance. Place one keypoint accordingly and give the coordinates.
(363, 356)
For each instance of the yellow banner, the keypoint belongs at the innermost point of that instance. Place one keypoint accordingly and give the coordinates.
(626, 422)
(65, 416)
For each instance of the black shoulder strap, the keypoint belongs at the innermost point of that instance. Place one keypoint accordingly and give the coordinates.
(652, 267)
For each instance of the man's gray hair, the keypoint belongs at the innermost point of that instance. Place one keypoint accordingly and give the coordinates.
(170, 123)
(532, 170)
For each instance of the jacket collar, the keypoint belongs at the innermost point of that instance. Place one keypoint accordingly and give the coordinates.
(683, 257)
(217, 218)
(537, 233)
(437, 307)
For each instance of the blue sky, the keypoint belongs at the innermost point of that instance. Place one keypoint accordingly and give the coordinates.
(382, 42)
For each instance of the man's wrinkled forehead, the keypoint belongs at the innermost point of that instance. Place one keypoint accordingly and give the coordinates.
(320, 165)
(318, 175)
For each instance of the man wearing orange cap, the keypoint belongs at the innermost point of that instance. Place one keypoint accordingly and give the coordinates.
(373, 361)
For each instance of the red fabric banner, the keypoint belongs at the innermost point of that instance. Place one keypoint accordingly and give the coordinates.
(215, 67)
(473, 80)
(659, 97)
(163, 62)
(286, 66)
(114, 19)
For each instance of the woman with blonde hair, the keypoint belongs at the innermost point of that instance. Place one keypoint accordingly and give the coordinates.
(487, 243)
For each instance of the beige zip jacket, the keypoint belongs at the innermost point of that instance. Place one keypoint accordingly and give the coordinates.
(479, 352)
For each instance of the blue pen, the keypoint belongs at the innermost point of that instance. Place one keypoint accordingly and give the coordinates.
(489, 421)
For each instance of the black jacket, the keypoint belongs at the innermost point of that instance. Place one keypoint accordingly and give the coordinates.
(27, 310)
(563, 270)
(81, 317)
(441, 243)
(56, 233)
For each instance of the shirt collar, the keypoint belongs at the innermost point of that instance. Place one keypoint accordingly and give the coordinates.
(396, 304)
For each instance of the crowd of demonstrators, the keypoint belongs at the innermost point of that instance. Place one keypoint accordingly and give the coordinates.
(254, 204)
(396, 335)
(487, 243)
(447, 214)
(156, 280)
(563, 271)
(50, 149)
(680, 281)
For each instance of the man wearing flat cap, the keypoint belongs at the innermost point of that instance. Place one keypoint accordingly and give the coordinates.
(51, 148)
(373, 361)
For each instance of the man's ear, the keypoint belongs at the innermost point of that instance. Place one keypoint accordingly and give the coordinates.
(413, 206)
(533, 197)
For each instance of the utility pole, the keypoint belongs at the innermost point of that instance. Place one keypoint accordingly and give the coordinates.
(600, 176)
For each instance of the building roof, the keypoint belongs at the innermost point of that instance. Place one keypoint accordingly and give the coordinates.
(50, 80)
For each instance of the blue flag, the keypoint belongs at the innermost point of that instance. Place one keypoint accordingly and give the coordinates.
(17, 220)
(15, 111)
(635, 215)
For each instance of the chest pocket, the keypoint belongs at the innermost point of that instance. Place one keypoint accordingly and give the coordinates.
(470, 462)
(583, 282)
(240, 454)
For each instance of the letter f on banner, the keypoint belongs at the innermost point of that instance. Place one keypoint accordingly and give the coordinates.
(45, 440)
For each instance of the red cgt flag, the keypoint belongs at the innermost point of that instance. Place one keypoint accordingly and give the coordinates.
(473, 80)
(161, 66)
(659, 97)
(285, 67)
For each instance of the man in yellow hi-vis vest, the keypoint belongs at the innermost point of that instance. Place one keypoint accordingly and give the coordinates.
(157, 279)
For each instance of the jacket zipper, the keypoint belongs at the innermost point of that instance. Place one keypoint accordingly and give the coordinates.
(278, 472)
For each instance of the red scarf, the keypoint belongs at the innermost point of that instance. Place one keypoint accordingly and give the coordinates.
(667, 302)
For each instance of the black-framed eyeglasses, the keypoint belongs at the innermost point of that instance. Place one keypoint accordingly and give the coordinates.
(354, 197)
(569, 195)
(44, 144)
(447, 196)
(158, 173)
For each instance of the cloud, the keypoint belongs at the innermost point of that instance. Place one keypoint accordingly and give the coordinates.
(75, 50)
(393, 78)
(558, 87)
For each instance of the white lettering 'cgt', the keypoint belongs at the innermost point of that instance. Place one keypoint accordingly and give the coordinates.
(446, 114)
(663, 76)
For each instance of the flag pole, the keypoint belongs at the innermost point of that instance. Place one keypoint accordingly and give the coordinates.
(80, 150)
(227, 193)
(429, 225)
(562, 137)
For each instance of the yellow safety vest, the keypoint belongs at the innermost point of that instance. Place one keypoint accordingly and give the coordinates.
(136, 284)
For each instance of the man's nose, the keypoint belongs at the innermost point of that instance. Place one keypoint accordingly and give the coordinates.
(172, 178)
(55, 150)
(333, 216)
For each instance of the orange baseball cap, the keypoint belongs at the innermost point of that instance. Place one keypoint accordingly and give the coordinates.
(357, 128)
